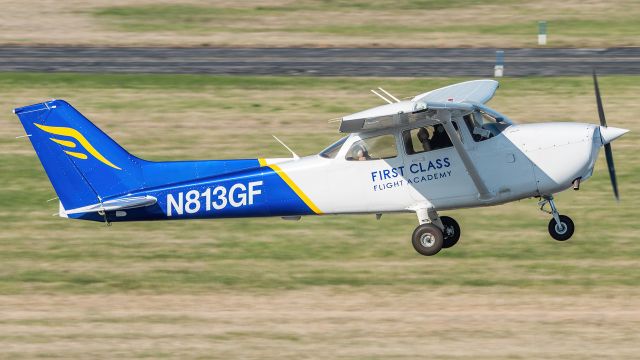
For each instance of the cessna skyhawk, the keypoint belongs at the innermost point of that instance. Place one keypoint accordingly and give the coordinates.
(441, 150)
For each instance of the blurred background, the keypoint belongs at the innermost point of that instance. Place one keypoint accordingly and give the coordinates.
(173, 80)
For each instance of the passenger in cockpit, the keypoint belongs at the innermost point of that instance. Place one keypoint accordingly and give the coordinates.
(440, 139)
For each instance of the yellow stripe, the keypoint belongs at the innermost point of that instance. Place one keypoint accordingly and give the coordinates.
(296, 189)
(262, 162)
(76, 154)
(66, 143)
(65, 131)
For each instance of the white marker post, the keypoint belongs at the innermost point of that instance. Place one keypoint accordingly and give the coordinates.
(542, 33)
(498, 70)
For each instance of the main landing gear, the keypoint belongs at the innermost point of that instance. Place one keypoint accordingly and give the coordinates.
(434, 233)
(561, 226)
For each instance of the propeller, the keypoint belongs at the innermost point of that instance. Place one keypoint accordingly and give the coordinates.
(607, 147)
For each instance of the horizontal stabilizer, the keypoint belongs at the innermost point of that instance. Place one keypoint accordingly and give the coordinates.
(116, 204)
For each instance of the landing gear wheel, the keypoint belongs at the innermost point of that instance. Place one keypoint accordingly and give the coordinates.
(562, 231)
(427, 239)
(451, 231)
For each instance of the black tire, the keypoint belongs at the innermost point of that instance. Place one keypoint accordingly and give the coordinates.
(451, 233)
(563, 232)
(427, 239)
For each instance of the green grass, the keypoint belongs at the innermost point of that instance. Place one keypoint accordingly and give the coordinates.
(577, 28)
(165, 15)
(574, 28)
(194, 18)
(348, 286)
(502, 247)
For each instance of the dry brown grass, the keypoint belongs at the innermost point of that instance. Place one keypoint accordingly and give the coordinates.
(336, 324)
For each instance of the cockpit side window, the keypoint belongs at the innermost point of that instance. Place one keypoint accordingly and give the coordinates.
(426, 138)
(373, 148)
(332, 150)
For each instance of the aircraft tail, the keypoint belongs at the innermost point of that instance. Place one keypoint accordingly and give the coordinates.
(83, 164)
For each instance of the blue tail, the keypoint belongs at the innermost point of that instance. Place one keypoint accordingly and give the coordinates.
(86, 167)
(83, 163)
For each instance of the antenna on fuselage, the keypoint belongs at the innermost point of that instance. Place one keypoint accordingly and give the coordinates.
(382, 97)
(295, 156)
(388, 94)
(395, 99)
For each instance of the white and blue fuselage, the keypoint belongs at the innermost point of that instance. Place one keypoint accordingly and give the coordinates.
(96, 179)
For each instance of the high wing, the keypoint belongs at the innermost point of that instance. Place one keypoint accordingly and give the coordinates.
(475, 91)
(465, 96)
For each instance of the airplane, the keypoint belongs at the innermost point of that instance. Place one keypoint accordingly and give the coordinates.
(440, 150)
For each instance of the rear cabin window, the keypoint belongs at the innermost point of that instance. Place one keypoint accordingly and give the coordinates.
(426, 138)
(373, 148)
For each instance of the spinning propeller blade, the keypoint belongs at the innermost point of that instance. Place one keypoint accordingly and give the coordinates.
(607, 147)
(603, 121)
(612, 171)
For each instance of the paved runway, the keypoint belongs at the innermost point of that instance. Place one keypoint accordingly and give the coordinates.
(320, 62)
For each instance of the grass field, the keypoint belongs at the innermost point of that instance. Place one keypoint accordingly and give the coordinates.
(328, 23)
(325, 287)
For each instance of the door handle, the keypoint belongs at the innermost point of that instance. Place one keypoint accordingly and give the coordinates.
(417, 159)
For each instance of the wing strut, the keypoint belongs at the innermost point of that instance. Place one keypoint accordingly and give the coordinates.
(445, 117)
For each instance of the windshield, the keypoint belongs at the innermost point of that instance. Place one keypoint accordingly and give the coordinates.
(332, 150)
(500, 118)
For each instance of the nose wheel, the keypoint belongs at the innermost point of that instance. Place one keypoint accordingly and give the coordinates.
(561, 226)
(563, 230)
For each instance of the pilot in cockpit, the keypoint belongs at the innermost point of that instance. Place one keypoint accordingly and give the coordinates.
(423, 136)
(360, 154)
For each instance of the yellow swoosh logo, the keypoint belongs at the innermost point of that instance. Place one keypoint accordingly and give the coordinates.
(73, 133)
(77, 154)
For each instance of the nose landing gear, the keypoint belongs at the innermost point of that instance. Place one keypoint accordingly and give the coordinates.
(561, 226)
